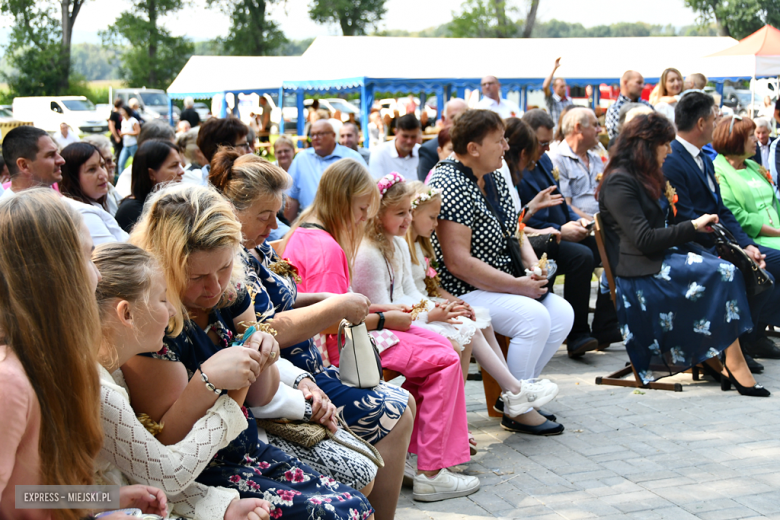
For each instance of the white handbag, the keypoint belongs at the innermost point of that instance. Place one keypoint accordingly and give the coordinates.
(359, 362)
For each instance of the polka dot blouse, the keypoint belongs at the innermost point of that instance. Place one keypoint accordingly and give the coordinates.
(464, 203)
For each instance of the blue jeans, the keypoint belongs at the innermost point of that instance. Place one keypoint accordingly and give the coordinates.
(124, 155)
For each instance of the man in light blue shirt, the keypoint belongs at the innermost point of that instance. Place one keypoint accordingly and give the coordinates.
(308, 165)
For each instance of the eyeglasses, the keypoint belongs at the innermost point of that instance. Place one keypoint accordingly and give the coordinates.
(321, 134)
(733, 118)
(543, 144)
(245, 146)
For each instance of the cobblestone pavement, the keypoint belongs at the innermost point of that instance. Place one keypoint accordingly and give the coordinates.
(696, 454)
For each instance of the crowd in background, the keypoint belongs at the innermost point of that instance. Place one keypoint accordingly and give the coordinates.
(207, 286)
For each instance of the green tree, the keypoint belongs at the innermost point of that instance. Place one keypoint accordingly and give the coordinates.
(39, 46)
(353, 16)
(737, 18)
(480, 19)
(153, 56)
(251, 33)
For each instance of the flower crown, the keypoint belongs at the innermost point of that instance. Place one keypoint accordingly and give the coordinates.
(425, 196)
(387, 182)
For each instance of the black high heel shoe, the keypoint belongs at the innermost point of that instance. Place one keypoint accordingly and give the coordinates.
(753, 391)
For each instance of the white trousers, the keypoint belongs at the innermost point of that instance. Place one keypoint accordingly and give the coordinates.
(536, 329)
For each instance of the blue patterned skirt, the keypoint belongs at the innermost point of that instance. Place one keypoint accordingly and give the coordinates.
(689, 312)
(295, 490)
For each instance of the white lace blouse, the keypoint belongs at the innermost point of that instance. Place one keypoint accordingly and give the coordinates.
(130, 454)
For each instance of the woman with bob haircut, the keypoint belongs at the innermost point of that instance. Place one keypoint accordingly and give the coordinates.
(677, 304)
(323, 245)
(382, 416)
(477, 215)
(746, 186)
(194, 235)
(86, 184)
(48, 368)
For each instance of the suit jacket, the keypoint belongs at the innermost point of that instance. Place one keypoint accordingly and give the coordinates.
(533, 182)
(636, 235)
(694, 197)
(757, 156)
(428, 158)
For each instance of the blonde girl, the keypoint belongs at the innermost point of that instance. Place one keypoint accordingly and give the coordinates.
(323, 245)
(134, 314)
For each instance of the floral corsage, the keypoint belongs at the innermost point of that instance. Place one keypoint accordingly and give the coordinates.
(767, 174)
(432, 280)
(286, 269)
(671, 196)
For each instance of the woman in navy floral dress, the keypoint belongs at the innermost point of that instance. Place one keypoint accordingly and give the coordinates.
(193, 233)
(677, 304)
(383, 415)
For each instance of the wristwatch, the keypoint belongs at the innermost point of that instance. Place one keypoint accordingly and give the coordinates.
(381, 324)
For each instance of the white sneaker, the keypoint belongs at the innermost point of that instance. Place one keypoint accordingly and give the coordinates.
(410, 470)
(531, 394)
(443, 486)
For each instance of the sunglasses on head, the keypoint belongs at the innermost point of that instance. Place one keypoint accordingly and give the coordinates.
(733, 118)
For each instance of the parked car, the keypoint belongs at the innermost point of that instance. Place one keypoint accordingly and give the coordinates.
(333, 104)
(6, 116)
(48, 112)
(153, 102)
(740, 101)
(203, 110)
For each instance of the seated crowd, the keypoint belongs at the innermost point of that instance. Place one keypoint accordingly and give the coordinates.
(209, 285)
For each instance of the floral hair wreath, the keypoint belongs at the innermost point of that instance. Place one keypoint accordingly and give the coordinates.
(425, 196)
(387, 182)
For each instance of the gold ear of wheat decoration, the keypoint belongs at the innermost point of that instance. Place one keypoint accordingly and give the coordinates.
(432, 286)
(151, 426)
(283, 268)
(543, 262)
(556, 173)
(418, 308)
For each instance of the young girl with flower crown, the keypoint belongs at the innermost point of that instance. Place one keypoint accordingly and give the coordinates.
(384, 254)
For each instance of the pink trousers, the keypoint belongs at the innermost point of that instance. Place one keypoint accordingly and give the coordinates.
(435, 380)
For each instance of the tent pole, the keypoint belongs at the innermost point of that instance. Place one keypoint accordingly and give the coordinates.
(223, 106)
(170, 111)
(281, 110)
(301, 112)
(423, 99)
(440, 101)
(366, 102)
(524, 98)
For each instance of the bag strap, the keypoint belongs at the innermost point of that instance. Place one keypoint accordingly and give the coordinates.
(312, 225)
(457, 166)
(371, 453)
(342, 326)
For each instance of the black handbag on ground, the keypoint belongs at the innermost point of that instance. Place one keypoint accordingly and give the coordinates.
(757, 280)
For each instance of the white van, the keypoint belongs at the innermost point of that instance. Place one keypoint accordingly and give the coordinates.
(48, 112)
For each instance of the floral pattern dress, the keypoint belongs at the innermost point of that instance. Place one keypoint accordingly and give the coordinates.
(370, 413)
(690, 311)
(256, 469)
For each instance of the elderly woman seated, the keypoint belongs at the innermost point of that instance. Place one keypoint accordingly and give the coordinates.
(472, 242)
(746, 186)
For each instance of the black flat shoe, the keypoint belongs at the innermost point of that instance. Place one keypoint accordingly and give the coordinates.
(763, 348)
(546, 428)
(752, 391)
(579, 346)
(606, 339)
(499, 407)
(754, 366)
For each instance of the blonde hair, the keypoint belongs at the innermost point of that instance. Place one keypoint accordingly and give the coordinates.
(49, 318)
(283, 139)
(659, 90)
(425, 242)
(126, 271)
(182, 219)
(245, 178)
(340, 183)
(394, 196)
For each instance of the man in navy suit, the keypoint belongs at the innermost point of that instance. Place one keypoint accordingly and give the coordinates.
(764, 141)
(577, 252)
(692, 175)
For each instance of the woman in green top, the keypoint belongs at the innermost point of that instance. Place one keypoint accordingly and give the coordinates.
(746, 186)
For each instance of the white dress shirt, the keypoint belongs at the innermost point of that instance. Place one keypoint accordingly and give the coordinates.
(764, 153)
(502, 107)
(385, 159)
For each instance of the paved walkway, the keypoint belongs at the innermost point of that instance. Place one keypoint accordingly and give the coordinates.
(696, 454)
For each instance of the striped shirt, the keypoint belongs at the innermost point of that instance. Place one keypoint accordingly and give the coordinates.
(555, 106)
(613, 113)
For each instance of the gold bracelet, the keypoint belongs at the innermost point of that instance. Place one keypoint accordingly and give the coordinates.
(695, 227)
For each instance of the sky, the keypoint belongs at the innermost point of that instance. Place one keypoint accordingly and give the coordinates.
(201, 23)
